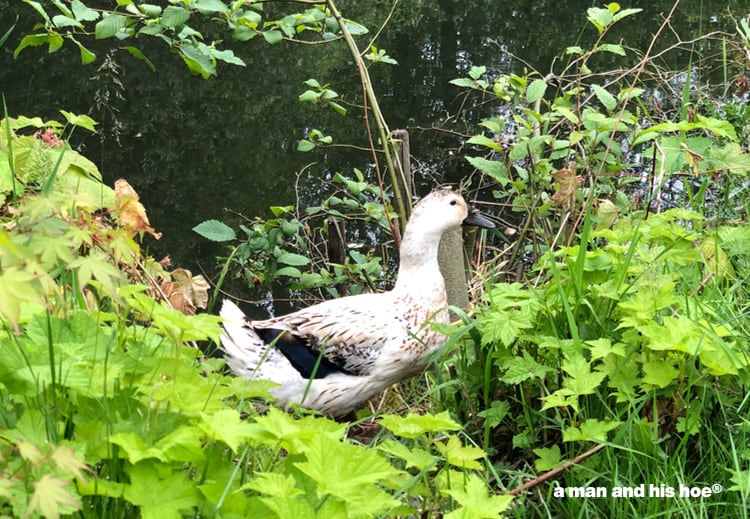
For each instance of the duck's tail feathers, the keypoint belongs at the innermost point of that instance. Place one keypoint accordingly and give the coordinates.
(247, 354)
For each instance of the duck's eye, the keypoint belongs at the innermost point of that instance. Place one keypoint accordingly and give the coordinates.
(454, 201)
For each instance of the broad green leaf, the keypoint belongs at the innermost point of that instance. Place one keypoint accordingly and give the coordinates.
(273, 37)
(210, 6)
(61, 22)
(599, 17)
(197, 60)
(494, 169)
(174, 16)
(273, 484)
(414, 425)
(730, 157)
(549, 458)
(215, 230)
(605, 98)
(612, 48)
(625, 12)
(535, 90)
(295, 260)
(472, 496)
(349, 472)
(463, 82)
(109, 25)
(519, 369)
(461, 456)
(86, 55)
(660, 373)
(590, 430)
(496, 413)
(226, 426)
(414, 456)
(485, 141)
(53, 42)
(82, 12)
(86, 122)
(580, 380)
(160, 494)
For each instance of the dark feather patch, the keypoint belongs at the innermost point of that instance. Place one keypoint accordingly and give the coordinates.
(299, 353)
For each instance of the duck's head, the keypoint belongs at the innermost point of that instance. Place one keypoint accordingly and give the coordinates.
(443, 210)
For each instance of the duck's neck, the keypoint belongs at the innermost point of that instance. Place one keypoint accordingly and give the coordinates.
(418, 263)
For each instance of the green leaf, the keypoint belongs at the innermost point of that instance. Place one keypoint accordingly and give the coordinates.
(273, 37)
(605, 98)
(549, 458)
(160, 495)
(109, 25)
(227, 426)
(273, 484)
(210, 6)
(295, 260)
(496, 413)
(53, 41)
(135, 52)
(349, 472)
(197, 60)
(520, 369)
(414, 425)
(494, 169)
(215, 230)
(82, 121)
(82, 12)
(304, 146)
(612, 48)
(580, 380)
(460, 455)
(174, 17)
(463, 82)
(86, 55)
(485, 141)
(535, 90)
(730, 157)
(472, 496)
(590, 430)
(414, 457)
(599, 17)
(660, 373)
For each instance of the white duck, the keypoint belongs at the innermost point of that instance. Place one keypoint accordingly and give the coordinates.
(336, 355)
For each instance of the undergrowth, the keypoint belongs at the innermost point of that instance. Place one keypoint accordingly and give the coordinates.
(607, 376)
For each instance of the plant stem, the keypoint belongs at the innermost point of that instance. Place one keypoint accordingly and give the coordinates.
(384, 132)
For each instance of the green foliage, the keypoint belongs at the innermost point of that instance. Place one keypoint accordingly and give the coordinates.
(178, 27)
(109, 409)
(291, 248)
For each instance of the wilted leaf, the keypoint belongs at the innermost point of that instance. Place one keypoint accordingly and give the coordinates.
(131, 214)
(186, 292)
(568, 184)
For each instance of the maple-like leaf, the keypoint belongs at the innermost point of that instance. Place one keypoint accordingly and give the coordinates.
(131, 215)
(569, 183)
(186, 292)
(52, 497)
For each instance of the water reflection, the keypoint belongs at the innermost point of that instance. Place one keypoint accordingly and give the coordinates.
(194, 148)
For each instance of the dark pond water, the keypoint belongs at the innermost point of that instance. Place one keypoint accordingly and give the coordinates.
(195, 148)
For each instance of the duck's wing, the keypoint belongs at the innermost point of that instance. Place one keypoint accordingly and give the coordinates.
(343, 335)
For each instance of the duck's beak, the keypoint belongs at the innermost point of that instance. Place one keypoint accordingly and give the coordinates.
(477, 219)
